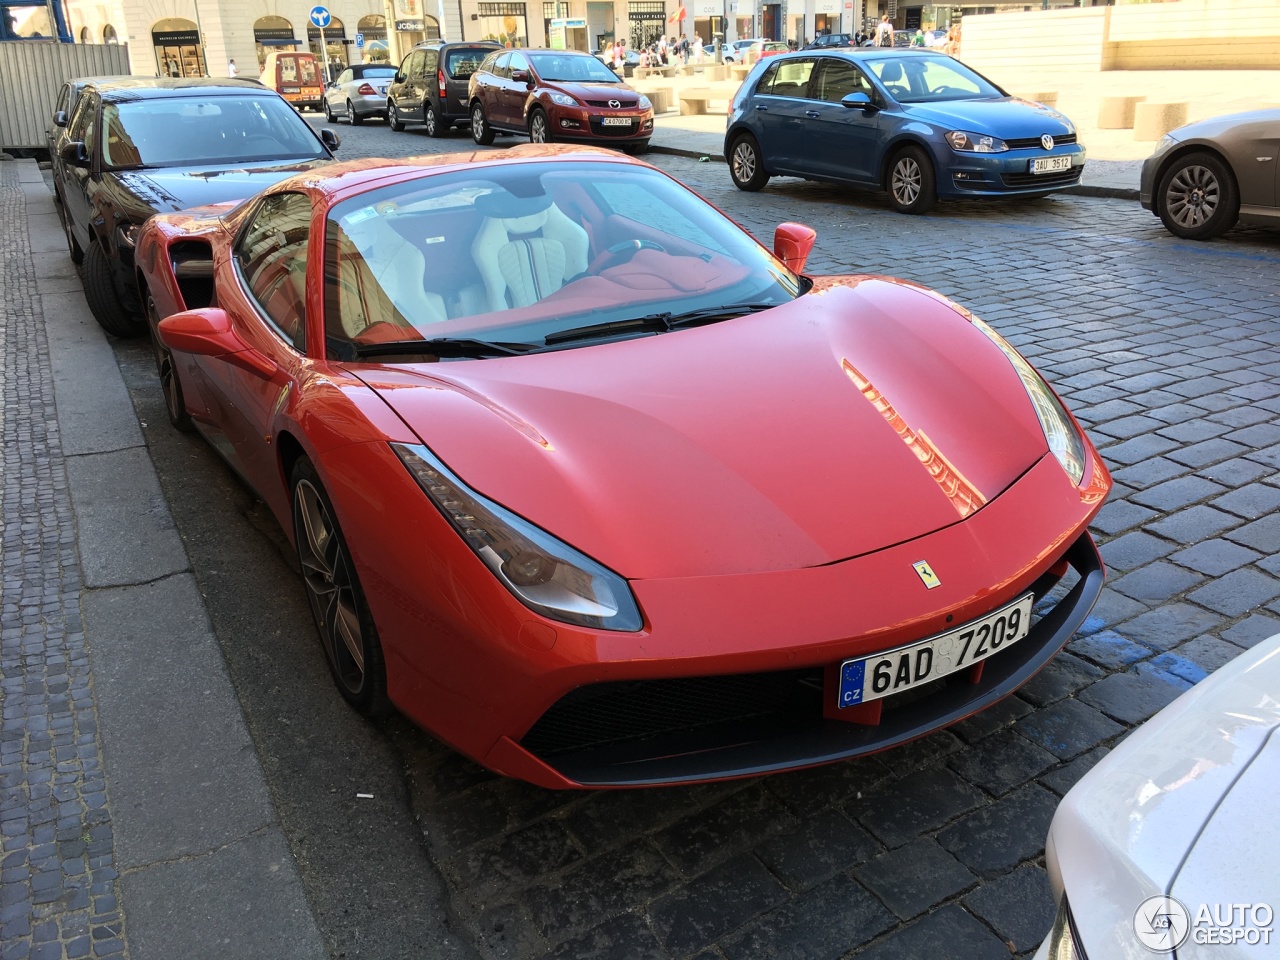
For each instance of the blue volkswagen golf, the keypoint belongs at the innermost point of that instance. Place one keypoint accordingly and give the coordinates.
(919, 125)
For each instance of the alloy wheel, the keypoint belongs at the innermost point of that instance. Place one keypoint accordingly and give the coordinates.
(744, 161)
(538, 128)
(326, 572)
(1192, 196)
(906, 180)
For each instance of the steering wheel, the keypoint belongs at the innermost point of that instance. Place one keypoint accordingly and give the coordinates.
(944, 91)
(261, 140)
(622, 252)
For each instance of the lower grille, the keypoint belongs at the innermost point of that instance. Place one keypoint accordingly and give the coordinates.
(600, 130)
(606, 103)
(1042, 179)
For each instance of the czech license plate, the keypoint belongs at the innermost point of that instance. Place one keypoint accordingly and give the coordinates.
(1050, 164)
(615, 121)
(870, 678)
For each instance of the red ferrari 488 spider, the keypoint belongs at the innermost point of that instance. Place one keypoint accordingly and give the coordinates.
(601, 492)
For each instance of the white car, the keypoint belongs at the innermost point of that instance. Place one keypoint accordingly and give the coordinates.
(1170, 846)
(359, 92)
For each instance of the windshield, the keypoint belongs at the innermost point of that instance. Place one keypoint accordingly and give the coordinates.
(924, 79)
(579, 69)
(375, 73)
(173, 132)
(519, 253)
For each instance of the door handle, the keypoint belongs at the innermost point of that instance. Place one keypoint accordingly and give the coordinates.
(762, 108)
(812, 114)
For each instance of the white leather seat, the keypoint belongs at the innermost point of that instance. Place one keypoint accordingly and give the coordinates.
(523, 259)
(398, 267)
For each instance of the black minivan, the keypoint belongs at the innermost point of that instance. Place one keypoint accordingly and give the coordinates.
(431, 86)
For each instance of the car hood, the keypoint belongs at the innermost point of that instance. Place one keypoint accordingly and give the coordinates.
(170, 189)
(1122, 833)
(1006, 117)
(844, 422)
(1211, 128)
(593, 91)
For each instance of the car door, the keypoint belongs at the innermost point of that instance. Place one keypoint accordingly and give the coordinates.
(1253, 149)
(263, 290)
(514, 92)
(409, 96)
(78, 183)
(491, 87)
(840, 141)
(779, 104)
(337, 92)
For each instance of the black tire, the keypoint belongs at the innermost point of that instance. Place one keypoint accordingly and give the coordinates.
(481, 132)
(1198, 198)
(635, 149)
(539, 126)
(328, 112)
(431, 120)
(342, 617)
(353, 118)
(73, 246)
(104, 302)
(393, 117)
(175, 406)
(746, 165)
(911, 182)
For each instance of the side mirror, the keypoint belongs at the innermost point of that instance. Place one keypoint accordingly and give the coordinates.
(330, 138)
(857, 100)
(792, 243)
(60, 118)
(520, 76)
(208, 333)
(74, 153)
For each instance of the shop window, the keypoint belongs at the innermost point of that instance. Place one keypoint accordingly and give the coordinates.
(504, 23)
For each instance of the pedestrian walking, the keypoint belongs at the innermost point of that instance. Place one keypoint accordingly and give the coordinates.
(231, 69)
(884, 32)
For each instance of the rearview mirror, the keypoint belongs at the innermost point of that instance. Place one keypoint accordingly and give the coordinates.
(520, 76)
(330, 138)
(208, 333)
(60, 118)
(792, 243)
(857, 99)
(74, 153)
(399, 77)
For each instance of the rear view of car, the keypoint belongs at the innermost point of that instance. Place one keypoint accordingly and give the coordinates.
(431, 85)
(358, 93)
(296, 77)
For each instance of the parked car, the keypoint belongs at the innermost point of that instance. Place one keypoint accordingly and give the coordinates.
(557, 95)
(774, 47)
(831, 40)
(935, 38)
(358, 92)
(64, 109)
(298, 77)
(169, 144)
(917, 124)
(599, 491)
(431, 85)
(1206, 176)
(629, 58)
(1170, 845)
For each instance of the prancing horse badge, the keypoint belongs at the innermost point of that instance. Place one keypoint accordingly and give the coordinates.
(927, 576)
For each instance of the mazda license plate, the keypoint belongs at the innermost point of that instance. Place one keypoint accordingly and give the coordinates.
(1050, 164)
(884, 674)
(615, 121)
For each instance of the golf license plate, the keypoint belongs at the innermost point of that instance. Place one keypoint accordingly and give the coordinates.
(1050, 164)
(870, 678)
(615, 121)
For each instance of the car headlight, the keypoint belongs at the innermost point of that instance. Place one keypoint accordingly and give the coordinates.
(645, 102)
(545, 574)
(1166, 143)
(1064, 441)
(1062, 941)
(127, 234)
(975, 142)
(563, 99)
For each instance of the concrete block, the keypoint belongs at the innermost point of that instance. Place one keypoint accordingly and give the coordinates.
(695, 101)
(1151, 121)
(1116, 113)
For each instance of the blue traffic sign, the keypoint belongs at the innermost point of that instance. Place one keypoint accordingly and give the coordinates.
(359, 39)
(321, 17)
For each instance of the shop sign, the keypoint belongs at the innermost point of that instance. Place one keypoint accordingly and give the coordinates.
(411, 26)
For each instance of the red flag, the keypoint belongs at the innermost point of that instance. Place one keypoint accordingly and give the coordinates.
(679, 15)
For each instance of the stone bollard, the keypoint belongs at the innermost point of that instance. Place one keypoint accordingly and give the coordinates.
(1116, 113)
(1151, 121)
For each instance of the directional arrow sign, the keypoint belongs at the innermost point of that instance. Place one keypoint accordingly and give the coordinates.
(321, 17)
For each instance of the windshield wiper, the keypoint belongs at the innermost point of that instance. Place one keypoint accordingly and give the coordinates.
(657, 322)
(444, 347)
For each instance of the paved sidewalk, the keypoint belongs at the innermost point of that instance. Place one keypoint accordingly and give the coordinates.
(703, 136)
(135, 817)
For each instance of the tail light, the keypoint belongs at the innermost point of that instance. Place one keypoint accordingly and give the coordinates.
(444, 87)
(365, 90)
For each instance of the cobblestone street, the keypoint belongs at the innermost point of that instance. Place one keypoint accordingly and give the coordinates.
(1167, 351)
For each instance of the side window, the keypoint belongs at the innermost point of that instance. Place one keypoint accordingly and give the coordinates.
(346, 76)
(502, 66)
(791, 79)
(836, 78)
(431, 63)
(64, 95)
(766, 82)
(416, 60)
(272, 255)
(83, 119)
(405, 64)
(519, 62)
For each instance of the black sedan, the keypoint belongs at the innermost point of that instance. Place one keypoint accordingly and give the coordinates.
(138, 146)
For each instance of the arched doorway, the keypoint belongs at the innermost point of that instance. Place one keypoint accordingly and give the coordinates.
(272, 33)
(335, 44)
(177, 46)
(109, 34)
(85, 35)
(373, 30)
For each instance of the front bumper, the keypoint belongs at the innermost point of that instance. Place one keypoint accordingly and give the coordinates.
(1005, 174)
(568, 123)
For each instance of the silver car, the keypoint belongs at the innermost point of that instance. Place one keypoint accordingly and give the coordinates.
(1205, 176)
(359, 92)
